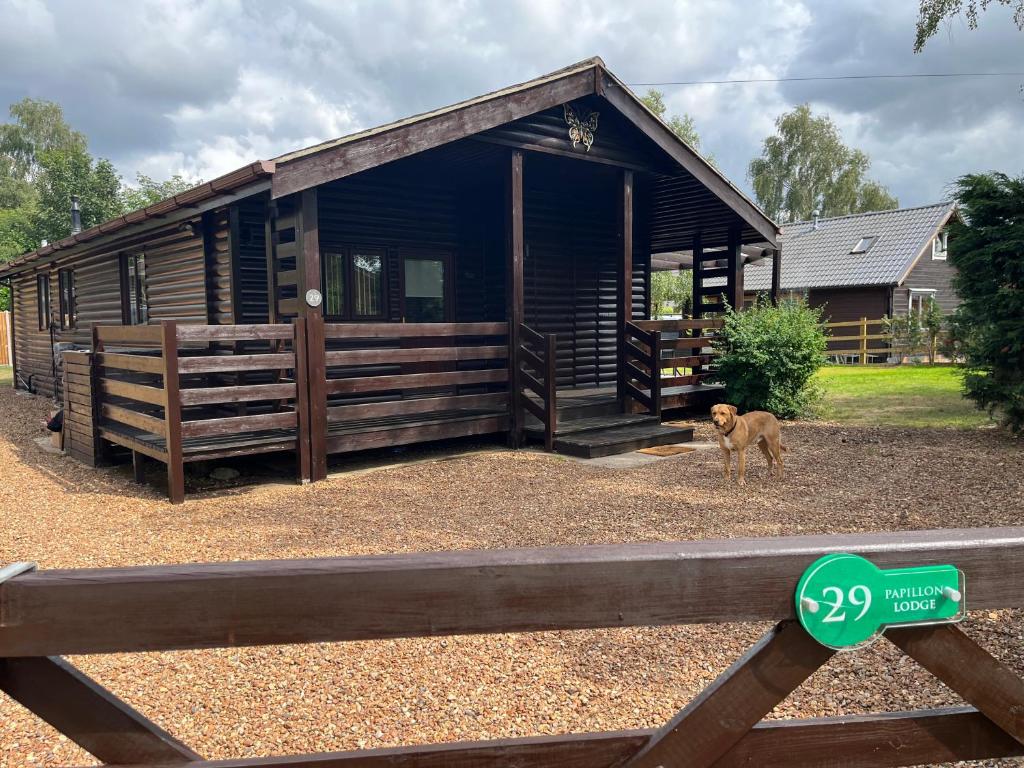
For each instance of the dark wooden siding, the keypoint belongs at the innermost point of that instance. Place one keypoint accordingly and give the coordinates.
(176, 278)
(251, 295)
(573, 253)
(845, 304)
(32, 350)
(219, 268)
(928, 273)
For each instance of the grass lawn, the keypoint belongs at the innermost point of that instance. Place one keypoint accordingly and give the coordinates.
(899, 396)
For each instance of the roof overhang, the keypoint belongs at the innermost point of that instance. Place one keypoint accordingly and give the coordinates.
(248, 180)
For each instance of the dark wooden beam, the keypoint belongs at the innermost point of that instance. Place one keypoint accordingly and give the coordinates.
(407, 138)
(88, 714)
(734, 263)
(724, 712)
(888, 740)
(307, 233)
(172, 413)
(776, 275)
(624, 302)
(528, 146)
(516, 253)
(430, 594)
(969, 670)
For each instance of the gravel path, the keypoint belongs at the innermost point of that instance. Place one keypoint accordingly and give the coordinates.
(341, 696)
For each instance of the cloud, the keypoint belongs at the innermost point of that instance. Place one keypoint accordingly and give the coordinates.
(200, 88)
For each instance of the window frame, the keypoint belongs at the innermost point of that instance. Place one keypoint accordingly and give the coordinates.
(347, 253)
(940, 254)
(870, 239)
(43, 301)
(66, 298)
(133, 282)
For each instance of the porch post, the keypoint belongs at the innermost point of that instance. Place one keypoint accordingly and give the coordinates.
(734, 263)
(514, 290)
(624, 304)
(308, 263)
(776, 275)
(698, 264)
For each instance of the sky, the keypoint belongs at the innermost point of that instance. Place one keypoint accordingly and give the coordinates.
(202, 88)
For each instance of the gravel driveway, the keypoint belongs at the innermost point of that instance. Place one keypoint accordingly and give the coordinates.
(342, 696)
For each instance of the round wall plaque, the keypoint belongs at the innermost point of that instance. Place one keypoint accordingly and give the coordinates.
(314, 298)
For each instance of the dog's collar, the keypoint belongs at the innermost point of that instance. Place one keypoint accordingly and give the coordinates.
(734, 423)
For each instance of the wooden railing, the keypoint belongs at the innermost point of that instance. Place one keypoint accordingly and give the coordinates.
(425, 380)
(855, 340)
(640, 372)
(538, 373)
(179, 393)
(687, 346)
(50, 614)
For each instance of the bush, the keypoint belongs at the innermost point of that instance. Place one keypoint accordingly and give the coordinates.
(769, 356)
(987, 250)
(906, 334)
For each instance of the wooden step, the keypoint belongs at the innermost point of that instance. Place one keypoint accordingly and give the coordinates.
(591, 424)
(608, 442)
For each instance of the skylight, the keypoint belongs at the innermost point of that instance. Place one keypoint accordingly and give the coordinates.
(864, 244)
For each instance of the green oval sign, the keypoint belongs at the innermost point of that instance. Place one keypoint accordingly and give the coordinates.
(845, 601)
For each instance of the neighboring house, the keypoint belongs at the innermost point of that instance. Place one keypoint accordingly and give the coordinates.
(866, 264)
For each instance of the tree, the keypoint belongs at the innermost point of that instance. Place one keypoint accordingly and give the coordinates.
(934, 12)
(682, 126)
(671, 293)
(67, 173)
(932, 321)
(986, 247)
(38, 127)
(148, 191)
(906, 333)
(805, 167)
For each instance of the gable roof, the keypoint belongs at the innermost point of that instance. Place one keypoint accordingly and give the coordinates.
(337, 158)
(821, 257)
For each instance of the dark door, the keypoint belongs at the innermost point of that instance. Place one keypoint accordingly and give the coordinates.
(426, 287)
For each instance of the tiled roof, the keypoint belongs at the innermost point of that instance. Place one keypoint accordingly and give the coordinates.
(820, 257)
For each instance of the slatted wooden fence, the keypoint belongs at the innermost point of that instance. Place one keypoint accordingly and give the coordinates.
(181, 393)
(5, 338)
(538, 374)
(49, 614)
(851, 338)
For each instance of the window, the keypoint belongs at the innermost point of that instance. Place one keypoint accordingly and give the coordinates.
(864, 244)
(918, 300)
(424, 289)
(66, 286)
(43, 301)
(134, 303)
(353, 283)
(939, 245)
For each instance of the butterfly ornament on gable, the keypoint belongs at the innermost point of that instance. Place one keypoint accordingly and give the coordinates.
(581, 129)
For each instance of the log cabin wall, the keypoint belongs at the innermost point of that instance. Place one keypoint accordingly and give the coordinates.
(179, 268)
(249, 250)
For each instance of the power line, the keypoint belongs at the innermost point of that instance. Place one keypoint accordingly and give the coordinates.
(834, 77)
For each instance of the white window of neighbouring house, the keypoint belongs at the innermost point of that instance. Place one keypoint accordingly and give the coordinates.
(864, 244)
(919, 298)
(939, 245)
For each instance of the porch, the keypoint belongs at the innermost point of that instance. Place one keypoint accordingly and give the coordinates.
(186, 393)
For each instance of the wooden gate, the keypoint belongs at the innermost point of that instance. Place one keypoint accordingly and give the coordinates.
(47, 614)
(5, 338)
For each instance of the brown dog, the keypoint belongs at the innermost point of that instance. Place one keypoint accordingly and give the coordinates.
(737, 433)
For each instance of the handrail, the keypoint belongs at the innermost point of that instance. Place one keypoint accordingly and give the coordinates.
(542, 380)
(642, 367)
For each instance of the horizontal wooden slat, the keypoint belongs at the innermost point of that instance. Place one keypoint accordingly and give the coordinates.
(74, 378)
(686, 361)
(119, 438)
(698, 342)
(417, 433)
(527, 356)
(129, 334)
(140, 392)
(288, 306)
(233, 424)
(415, 355)
(342, 413)
(262, 332)
(415, 381)
(223, 363)
(859, 741)
(850, 324)
(411, 330)
(239, 394)
(634, 371)
(134, 419)
(62, 612)
(679, 325)
(138, 363)
(533, 407)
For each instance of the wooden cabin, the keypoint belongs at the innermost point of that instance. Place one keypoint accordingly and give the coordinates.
(482, 268)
